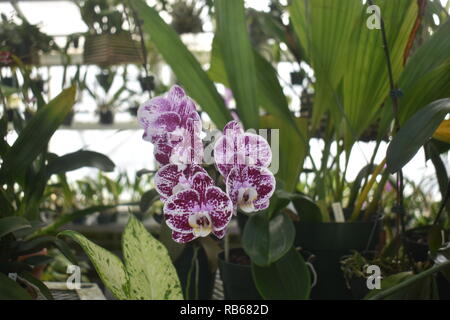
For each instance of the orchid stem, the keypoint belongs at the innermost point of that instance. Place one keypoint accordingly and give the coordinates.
(227, 247)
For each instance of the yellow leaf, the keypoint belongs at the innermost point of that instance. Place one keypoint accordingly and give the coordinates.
(443, 132)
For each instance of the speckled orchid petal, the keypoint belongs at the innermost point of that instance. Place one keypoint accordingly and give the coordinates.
(220, 233)
(183, 237)
(152, 107)
(236, 148)
(176, 94)
(172, 178)
(164, 123)
(178, 208)
(257, 150)
(162, 152)
(219, 206)
(200, 182)
(250, 188)
(232, 128)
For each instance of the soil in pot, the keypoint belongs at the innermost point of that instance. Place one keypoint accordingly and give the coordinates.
(328, 242)
(202, 290)
(237, 276)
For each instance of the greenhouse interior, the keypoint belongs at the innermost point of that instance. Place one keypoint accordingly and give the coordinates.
(225, 150)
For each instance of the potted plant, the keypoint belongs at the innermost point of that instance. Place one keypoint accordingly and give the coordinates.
(186, 16)
(25, 40)
(106, 42)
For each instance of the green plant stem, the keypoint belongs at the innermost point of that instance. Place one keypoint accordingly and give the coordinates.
(191, 269)
(226, 245)
(386, 293)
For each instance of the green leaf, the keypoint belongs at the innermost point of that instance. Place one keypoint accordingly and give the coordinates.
(270, 94)
(108, 266)
(287, 161)
(286, 279)
(324, 29)
(307, 209)
(266, 240)
(185, 66)
(237, 53)
(415, 133)
(35, 136)
(366, 79)
(426, 75)
(11, 290)
(11, 224)
(147, 199)
(148, 265)
(37, 283)
(80, 159)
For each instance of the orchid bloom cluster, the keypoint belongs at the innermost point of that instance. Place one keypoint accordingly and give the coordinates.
(193, 206)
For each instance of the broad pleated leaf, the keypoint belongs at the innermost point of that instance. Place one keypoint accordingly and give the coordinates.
(150, 270)
(183, 63)
(366, 80)
(324, 28)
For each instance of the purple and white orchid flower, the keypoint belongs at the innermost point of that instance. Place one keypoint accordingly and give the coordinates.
(250, 187)
(172, 122)
(173, 178)
(198, 211)
(237, 148)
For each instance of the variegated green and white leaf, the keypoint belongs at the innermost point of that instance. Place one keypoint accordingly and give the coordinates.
(109, 267)
(148, 264)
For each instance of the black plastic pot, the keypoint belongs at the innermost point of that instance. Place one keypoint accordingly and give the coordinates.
(328, 242)
(106, 117)
(9, 82)
(147, 83)
(205, 280)
(416, 243)
(237, 279)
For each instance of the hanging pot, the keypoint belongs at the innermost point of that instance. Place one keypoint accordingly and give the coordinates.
(328, 242)
(237, 276)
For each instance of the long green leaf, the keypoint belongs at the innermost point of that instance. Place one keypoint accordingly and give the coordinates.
(80, 159)
(415, 133)
(183, 63)
(35, 136)
(108, 266)
(289, 149)
(11, 224)
(239, 62)
(286, 279)
(150, 271)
